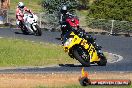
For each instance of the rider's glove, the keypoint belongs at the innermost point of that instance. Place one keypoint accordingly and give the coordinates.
(28, 10)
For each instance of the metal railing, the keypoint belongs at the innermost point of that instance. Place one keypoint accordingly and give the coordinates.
(112, 26)
(51, 22)
(44, 20)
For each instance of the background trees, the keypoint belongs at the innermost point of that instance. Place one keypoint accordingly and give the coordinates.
(54, 6)
(99, 9)
(52, 9)
(111, 15)
(120, 10)
(111, 9)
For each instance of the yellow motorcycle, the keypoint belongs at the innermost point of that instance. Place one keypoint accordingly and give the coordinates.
(82, 50)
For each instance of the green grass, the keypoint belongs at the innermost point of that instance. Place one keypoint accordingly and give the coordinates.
(82, 17)
(14, 52)
(34, 5)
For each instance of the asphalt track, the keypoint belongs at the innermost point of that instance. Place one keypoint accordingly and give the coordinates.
(113, 44)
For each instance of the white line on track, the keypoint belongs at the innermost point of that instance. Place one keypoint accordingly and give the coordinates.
(118, 56)
(1, 37)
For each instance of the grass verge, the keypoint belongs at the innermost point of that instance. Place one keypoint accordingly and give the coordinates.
(34, 5)
(15, 52)
(58, 80)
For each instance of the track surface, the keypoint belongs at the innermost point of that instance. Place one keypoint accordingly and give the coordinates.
(113, 44)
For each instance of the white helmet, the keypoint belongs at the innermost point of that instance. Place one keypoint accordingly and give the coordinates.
(21, 5)
(64, 7)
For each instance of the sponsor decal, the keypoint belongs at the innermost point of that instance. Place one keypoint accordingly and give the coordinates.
(85, 80)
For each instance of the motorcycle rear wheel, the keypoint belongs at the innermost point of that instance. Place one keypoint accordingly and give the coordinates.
(82, 56)
(24, 31)
(23, 28)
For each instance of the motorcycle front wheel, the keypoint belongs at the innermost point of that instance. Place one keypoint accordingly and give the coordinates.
(38, 31)
(82, 56)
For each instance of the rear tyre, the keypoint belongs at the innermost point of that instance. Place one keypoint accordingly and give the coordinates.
(102, 61)
(82, 56)
(23, 28)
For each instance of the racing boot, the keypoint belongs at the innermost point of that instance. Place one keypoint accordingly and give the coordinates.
(90, 39)
(80, 32)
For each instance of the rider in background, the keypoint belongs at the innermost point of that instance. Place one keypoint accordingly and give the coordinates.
(64, 13)
(65, 27)
(21, 9)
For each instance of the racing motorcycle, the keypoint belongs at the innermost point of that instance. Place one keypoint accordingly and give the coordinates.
(81, 49)
(30, 24)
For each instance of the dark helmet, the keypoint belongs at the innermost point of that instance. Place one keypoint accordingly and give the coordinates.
(64, 9)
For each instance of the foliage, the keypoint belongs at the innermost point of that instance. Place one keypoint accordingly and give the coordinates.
(118, 26)
(83, 4)
(111, 9)
(53, 7)
(107, 10)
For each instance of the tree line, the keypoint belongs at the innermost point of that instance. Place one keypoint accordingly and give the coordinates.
(99, 9)
(119, 10)
(112, 10)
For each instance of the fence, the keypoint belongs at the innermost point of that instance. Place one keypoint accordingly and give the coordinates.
(44, 20)
(112, 26)
(3, 16)
(50, 22)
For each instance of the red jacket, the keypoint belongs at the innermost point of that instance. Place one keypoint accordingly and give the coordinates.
(20, 13)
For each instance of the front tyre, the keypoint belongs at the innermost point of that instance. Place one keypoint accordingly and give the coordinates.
(82, 56)
(38, 32)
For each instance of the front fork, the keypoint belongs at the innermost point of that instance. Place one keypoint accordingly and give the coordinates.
(32, 28)
(70, 53)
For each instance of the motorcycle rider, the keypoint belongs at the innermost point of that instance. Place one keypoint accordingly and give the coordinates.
(65, 28)
(21, 9)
